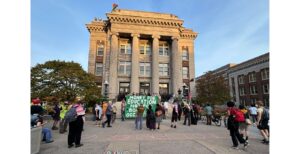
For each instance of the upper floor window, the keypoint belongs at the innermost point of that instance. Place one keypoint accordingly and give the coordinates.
(253, 90)
(242, 91)
(99, 69)
(163, 69)
(252, 77)
(266, 89)
(145, 48)
(241, 79)
(125, 68)
(164, 49)
(185, 72)
(100, 50)
(145, 69)
(185, 54)
(125, 48)
(265, 74)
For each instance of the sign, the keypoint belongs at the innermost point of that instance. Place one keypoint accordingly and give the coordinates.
(132, 102)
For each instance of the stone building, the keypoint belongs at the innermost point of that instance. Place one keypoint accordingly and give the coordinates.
(141, 52)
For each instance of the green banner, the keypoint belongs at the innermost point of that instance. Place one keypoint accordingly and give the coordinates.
(132, 102)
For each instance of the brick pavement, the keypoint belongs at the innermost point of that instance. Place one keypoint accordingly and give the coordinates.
(123, 138)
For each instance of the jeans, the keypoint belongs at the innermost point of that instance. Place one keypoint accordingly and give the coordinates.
(139, 122)
(208, 119)
(235, 135)
(108, 119)
(187, 116)
(123, 115)
(47, 135)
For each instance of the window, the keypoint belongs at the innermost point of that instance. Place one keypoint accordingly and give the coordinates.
(242, 101)
(163, 88)
(185, 72)
(125, 68)
(163, 69)
(266, 89)
(265, 74)
(242, 91)
(144, 88)
(266, 102)
(124, 87)
(125, 48)
(163, 49)
(100, 50)
(99, 69)
(185, 54)
(253, 90)
(252, 77)
(145, 69)
(241, 79)
(253, 100)
(145, 49)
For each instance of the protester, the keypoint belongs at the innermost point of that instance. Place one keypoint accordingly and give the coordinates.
(253, 113)
(123, 110)
(150, 118)
(166, 107)
(56, 115)
(180, 109)
(158, 115)
(208, 109)
(36, 106)
(62, 123)
(98, 113)
(195, 114)
(263, 121)
(234, 119)
(187, 114)
(37, 121)
(76, 127)
(114, 110)
(244, 125)
(139, 117)
(108, 115)
(174, 113)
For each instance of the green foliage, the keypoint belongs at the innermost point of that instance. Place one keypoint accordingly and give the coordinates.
(212, 89)
(63, 80)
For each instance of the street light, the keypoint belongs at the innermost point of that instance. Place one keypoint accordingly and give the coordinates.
(105, 90)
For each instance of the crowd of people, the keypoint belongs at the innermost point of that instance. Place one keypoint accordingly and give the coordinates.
(72, 114)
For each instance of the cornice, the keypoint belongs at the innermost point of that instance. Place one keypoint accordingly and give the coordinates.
(97, 26)
(188, 34)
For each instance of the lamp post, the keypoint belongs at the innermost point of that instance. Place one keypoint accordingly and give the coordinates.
(184, 91)
(105, 89)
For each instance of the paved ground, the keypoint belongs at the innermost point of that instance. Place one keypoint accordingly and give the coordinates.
(123, 138)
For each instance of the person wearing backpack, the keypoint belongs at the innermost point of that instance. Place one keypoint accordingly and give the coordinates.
(75, 126)
(235, 117)
(244, 125)
(262, 121)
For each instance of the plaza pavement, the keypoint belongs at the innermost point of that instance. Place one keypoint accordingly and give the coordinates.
(122, 138)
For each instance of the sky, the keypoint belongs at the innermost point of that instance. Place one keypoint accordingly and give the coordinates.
(229, 31)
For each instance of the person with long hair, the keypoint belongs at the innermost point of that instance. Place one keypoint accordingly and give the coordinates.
(174, 113)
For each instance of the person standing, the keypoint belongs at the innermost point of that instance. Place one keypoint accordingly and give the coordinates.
(139, 117)
(243, 125)
(123, 110)
(36, 107)
(158, 115)
(76, 127)
(187, 114)
(208, 109)
(253, 113)
(166, 107)
(263, 121)
(150, 117)
(98, 113)
(114, 111)
(108, 115)
(174, 113)
(56, 115)
(234, 119)
(62, 123)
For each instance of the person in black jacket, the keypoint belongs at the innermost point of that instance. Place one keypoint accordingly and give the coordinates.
(187, 114)
(150, 117)
(76, 127)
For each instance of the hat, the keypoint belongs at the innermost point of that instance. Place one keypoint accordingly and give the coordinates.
(36, 101)
(80, 110)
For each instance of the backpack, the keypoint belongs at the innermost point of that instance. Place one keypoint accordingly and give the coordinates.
(265, 114)
(71, 115)
(239, 115)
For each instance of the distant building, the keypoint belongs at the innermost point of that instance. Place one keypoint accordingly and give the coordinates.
(141, 52)
(248, 81)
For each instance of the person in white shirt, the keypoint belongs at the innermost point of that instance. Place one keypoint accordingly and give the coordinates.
(98, 110)
(253, 113)
(166, 106)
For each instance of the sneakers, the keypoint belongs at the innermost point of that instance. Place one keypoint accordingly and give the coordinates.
(235, 147)
(103, 125)
(245, 145)
(49, 141)
(109, 126)
(79, 145)
(70, 146)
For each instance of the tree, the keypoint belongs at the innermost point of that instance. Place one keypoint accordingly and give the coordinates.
(212, 89)
(63, 80)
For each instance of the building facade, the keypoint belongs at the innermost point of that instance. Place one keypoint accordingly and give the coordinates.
(249, 81)
(141, 52)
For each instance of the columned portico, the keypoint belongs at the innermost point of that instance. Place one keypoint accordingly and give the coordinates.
(176, 66)
(135, 64)
(155, 65)
(113, 65)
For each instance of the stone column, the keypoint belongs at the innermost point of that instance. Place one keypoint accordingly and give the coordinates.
(155, 65)
(176, 66)
(113, 64)
(191, 70)
(135, 64)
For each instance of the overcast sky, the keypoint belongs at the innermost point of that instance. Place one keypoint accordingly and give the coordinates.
(229, 31)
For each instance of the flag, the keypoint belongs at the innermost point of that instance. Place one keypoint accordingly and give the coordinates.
(114, 6)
